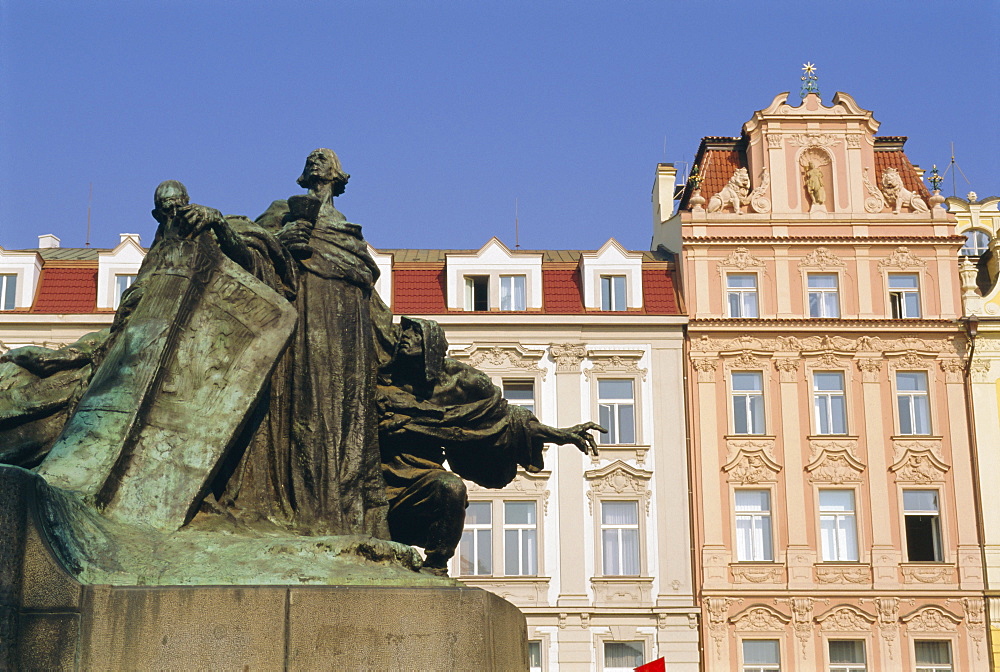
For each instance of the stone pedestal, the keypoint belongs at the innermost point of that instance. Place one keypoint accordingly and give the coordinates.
(49, 620)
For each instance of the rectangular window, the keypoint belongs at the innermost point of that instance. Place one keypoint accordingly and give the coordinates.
(122, 282)
(622, 656)
(923, 526)
(741, 292)
(824, 299)
(8, 291)
(847, 655)
(512, 293)
(476, 549)
(913, 403)
(520, 393)
(534, 656)
(753, 526)
(477, 292)
(613, 292)
(761, 655)
(904, 295)
(520, 539)
(933, 656)
(838, 526)
(620, 538)
(616, 410)
(748, 403)
(830, 404)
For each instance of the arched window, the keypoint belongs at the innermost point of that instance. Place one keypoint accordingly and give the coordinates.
(976, 243)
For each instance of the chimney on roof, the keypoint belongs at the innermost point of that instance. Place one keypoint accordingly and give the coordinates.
(134, 237)
(47, 241)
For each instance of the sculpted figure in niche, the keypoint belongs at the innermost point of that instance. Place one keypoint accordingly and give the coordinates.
(434, 408)
(812, 176)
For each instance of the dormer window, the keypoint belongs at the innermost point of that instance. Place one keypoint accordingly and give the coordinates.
(613, 292)
(477, 292)
(8, 291)
(512, 292)
(122, 282)
(976, 243)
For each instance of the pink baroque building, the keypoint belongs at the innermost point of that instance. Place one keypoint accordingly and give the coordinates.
(833, 499)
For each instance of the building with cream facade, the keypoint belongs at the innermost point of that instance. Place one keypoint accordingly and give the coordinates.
(833, 479)
(979, 221)
(594, 550)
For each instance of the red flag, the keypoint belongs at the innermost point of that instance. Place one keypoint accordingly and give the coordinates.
(658, 665)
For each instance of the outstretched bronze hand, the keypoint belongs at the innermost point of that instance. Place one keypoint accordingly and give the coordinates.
(578, 435)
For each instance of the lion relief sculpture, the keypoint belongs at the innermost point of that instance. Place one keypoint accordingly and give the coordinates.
(736, 193)
(898, 195)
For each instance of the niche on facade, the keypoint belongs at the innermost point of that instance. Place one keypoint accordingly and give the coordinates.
(816, 187)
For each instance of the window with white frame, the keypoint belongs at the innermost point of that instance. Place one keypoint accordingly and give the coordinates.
(477, 292)
(616, 410)
(748, 402)
(829, 402)
(620, 538)
(932, 655)
(922, 519)
(761, 655)
(977, 243)
(623, 656)
(913, 402)
(847, 655)
(741, 294)
(519, 392)
(476, 548)
(534, 655)
(512, 292)
(753, 526)
(613, 292)
(838, 526)
(8, 291)
(904, 295)
(122, 282)
(520, 539)
(824, 296)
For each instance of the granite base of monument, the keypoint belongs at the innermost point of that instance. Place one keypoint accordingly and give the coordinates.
(50, 620)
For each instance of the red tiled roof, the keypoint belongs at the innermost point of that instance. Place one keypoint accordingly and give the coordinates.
(561, 291)
(897, 159)
(658, 294)
(66, 290)
(419, 290)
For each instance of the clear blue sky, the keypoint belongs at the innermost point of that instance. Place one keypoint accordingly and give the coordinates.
(445, 112)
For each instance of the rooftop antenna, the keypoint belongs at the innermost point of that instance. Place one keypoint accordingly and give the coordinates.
(90, 200)
(664, 149)
(954, 164)
(517, 239)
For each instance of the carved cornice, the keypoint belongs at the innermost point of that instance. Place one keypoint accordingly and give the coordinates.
(752, 465)
(741, 259)
(931, 619)
(834, 462)
(846, 618)
(567, 356)
(615, 364)
(760, 618)
(508, 357)
(822, 259)
(902, 259)
(619, 478)
(875, 345)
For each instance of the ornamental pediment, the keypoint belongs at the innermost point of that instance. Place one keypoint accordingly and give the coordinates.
(931, 619)
(834, 462)
(760, 618)
(509, 357)
(846, 619)
(619, 479)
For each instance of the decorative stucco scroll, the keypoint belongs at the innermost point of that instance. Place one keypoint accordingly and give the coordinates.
(752, 464)
(843, 574)
(869, 367)
(746, 573)
(718, 615)
(917, 462)
(746, 360)
(813, 139)
(931, 619)
(834, 462)
(567, 356)
(875, 201)
(706, 368)
(760, 618)
(821, 259)
(758, 201)
(788, 369)
(507, 357)
(903, 259)
(846, 619)
(740, 258)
